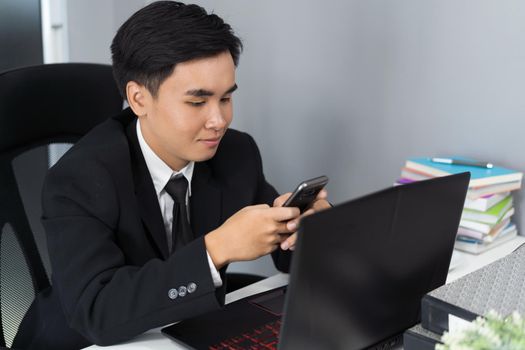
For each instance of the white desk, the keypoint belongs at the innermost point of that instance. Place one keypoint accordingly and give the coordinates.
(475, 262)
(153, 339)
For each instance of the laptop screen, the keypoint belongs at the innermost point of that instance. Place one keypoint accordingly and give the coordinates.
(361, 268)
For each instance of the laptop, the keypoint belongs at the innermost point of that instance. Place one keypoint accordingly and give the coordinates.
(358, 274)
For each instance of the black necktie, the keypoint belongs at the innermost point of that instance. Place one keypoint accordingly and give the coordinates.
(181, 230)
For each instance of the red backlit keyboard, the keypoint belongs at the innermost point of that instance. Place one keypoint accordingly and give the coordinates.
(264, 337)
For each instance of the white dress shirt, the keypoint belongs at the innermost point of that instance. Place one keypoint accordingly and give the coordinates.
(161, 173)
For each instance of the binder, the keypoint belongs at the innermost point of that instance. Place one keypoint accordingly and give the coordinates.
(499, 286)
(418, 338)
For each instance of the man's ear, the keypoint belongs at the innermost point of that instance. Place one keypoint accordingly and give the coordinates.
(138, 98)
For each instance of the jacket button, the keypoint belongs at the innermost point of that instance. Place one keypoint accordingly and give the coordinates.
(182, 291)
(172, 293)
(192, 287)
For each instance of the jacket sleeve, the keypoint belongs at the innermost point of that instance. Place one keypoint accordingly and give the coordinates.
(103, 297)
(266, 193)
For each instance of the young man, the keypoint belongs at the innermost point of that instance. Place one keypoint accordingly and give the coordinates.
(145, 212)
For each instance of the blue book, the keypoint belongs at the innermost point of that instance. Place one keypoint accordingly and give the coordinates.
(479, 176)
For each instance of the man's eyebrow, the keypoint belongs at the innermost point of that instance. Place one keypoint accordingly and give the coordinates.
(199, 93)
(232, 89)
(206, 93)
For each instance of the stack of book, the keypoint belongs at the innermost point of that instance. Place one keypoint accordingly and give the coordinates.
(487, 216)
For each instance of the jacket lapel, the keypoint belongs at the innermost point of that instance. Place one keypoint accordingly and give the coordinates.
(145, 191)
(206, 200)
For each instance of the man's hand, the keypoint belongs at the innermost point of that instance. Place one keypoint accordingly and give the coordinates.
(319, 204)
(250, 233)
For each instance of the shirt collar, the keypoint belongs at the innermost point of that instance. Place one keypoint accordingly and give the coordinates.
(160, 172)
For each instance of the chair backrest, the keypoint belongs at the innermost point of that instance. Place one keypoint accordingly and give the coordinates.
(39, 106)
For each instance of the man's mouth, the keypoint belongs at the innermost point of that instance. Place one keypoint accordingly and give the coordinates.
(211, 142)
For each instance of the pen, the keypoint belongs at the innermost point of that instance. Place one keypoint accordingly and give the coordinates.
(462, 162)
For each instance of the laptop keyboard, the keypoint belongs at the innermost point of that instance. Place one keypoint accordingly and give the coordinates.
(264, 337)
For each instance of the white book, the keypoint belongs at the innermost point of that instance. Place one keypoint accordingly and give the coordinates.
(413, 175)
(484, 203)
(483, 227)
(477, 192)
(491, 216)
(476, 248)
(508, 229)
(496, 230)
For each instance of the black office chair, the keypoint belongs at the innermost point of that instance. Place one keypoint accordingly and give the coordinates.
(39, 106)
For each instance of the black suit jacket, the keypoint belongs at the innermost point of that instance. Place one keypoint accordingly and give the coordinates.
(112, 273)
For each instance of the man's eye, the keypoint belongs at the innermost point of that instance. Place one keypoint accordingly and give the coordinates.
(195, 103)
(225, 99)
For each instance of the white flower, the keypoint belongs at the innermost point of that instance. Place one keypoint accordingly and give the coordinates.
(490, 332)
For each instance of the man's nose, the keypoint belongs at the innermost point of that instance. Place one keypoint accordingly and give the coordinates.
(216, 119)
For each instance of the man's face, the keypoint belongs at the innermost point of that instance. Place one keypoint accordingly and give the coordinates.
(191, 112)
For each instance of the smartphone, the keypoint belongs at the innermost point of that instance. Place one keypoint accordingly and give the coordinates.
(305, 193)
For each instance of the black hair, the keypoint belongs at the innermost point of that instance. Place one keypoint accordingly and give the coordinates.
(154, 39)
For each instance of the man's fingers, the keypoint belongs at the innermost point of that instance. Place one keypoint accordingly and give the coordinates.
(257, 206)
(323, 194)
(289, 217)
(284, 213)
(308, 212)
(282, 230)
(289, 242)
(279, 201)
(321, 204)
(292, 225)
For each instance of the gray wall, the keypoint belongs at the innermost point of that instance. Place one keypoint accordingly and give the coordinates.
(351, 88)
(92, 25)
